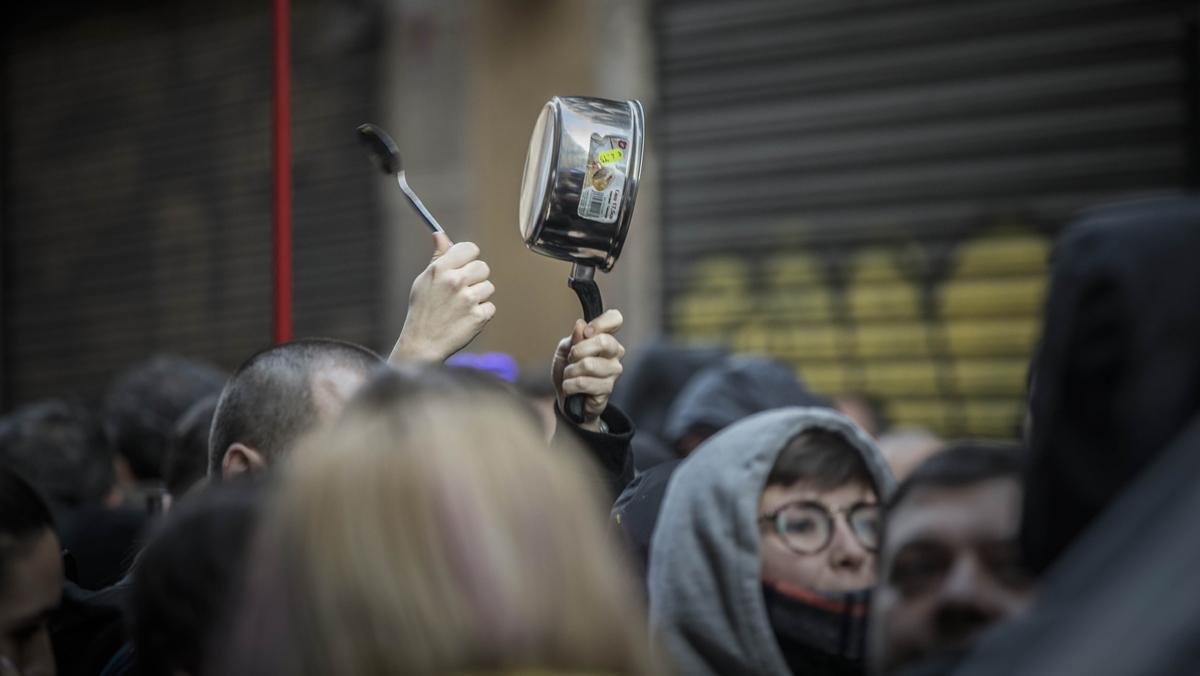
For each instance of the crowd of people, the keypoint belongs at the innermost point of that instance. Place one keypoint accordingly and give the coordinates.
(326, 510)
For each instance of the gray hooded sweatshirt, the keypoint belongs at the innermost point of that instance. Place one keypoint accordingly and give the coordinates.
(706, 597)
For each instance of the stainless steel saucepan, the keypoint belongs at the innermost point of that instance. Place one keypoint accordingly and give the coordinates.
(578, 191)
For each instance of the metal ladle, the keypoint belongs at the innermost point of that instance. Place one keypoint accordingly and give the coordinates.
(384, 150)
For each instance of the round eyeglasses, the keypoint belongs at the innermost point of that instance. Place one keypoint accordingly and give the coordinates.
(807, 527)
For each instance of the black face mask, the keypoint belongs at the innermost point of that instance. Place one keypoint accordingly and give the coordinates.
(818, 633)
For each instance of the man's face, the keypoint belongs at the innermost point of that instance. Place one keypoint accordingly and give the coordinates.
(845, 563)
(950, 569)
(32, 589)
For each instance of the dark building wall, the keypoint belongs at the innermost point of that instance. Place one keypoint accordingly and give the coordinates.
(137, 187)
(868, 189)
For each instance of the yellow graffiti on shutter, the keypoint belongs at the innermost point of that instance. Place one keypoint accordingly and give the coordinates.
(956, 365)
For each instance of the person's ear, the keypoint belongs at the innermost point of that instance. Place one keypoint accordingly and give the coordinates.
(241, 459)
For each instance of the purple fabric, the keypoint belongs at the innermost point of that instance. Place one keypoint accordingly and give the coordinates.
(498, 364)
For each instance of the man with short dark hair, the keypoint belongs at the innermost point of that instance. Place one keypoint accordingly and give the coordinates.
(142, 405)
(950, 564)
(283, 392)
(280, 393)
(31, 577)
(277, 395)
(61, 449)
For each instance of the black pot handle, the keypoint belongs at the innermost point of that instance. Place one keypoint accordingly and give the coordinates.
(583, 283)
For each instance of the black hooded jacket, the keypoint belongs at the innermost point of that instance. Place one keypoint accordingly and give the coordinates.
(1111, 505)
(1118, 372)
(609, 450)
(652, 381)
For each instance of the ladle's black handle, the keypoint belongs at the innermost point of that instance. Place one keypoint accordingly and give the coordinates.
(593, 306)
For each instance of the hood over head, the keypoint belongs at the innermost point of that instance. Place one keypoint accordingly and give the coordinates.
(732, 389)
(707, 602)
(1116, 601)
(653, 379)
(1118, 371)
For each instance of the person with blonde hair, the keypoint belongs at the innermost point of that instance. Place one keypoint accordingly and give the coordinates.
(431, 530)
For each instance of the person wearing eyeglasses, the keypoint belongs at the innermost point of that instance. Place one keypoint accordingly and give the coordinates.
(764, 553)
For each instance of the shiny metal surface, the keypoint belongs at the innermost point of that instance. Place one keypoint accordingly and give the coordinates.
(417, 204)
(555, 170)
(583, 271)
(387, 155)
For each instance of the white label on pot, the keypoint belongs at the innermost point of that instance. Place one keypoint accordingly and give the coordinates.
(604, 180)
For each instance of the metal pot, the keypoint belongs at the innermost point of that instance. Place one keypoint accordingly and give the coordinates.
(578, 191)
(581, 178)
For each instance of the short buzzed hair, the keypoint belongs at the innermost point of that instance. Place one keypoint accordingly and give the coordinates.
(268, 402)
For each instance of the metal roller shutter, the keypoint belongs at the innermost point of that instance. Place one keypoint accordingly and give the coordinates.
(867, 189)
(137, 188)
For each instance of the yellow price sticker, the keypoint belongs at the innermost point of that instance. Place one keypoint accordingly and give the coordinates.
(610, 156)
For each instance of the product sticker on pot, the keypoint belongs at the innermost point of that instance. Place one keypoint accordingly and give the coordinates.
(604, 180)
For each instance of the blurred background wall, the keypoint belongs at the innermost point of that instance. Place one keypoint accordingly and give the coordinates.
(865, 189)
(868, 188)
(136, 197)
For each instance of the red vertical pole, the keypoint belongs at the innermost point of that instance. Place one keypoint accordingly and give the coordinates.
(282, 147)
